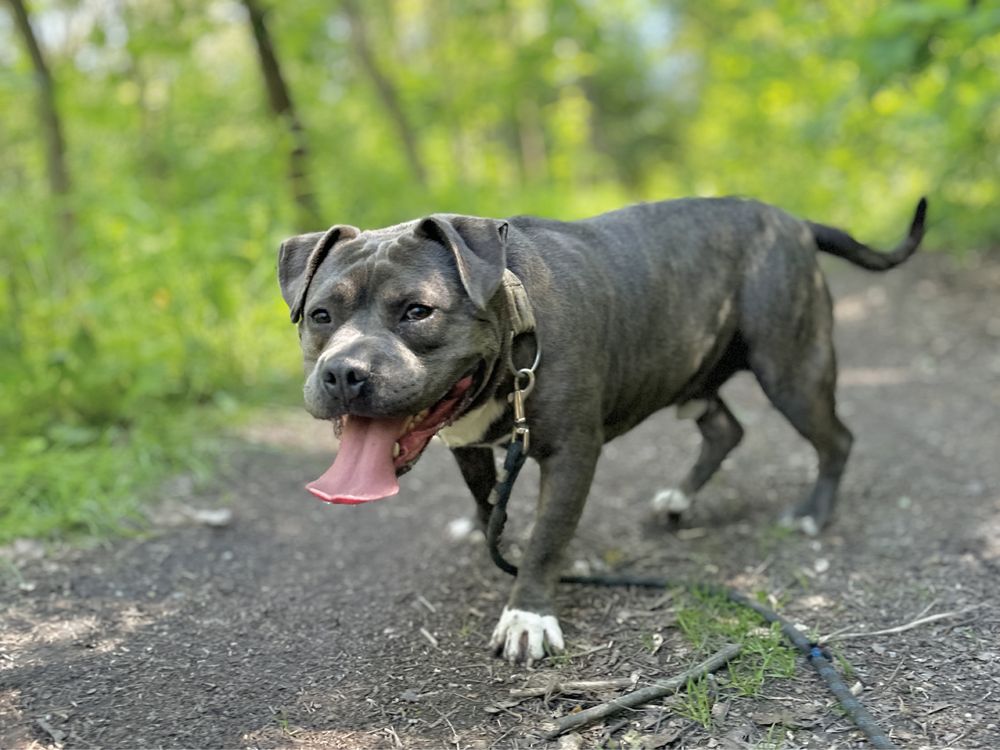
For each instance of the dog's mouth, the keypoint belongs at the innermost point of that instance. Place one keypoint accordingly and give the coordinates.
(374, 451)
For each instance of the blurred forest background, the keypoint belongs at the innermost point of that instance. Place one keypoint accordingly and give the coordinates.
(153, 153)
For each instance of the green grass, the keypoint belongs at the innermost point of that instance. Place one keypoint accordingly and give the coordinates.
(71, 484)
(696, 703)
(710, 620)
(773, 740)
(843, 665)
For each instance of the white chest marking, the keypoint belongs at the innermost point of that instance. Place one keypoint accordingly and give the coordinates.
(470, 428)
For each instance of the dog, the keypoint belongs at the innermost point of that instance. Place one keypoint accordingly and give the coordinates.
(418, 329)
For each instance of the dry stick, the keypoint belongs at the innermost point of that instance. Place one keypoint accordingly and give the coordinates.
(572, 686)
(638, 697)
(847, 628)
(897, 629)
(454, 735)
(589, 651)
(427, 634)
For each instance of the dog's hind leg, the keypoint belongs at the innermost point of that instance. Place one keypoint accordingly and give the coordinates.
(805, 395)
(720, 432)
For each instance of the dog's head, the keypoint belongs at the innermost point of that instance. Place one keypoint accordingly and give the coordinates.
(399, 331)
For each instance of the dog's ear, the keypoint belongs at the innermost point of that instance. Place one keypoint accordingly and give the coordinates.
(298, 259)
(479, 247)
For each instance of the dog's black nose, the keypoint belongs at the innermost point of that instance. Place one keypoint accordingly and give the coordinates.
(345, 379)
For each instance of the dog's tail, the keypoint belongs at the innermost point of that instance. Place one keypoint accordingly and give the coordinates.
(836, 242)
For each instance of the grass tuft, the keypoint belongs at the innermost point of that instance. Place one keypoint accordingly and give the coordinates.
(67, 485)
(708, 621)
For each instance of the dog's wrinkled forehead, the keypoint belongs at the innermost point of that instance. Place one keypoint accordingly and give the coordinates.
(383, 263)
(471, 247)
(374, 246)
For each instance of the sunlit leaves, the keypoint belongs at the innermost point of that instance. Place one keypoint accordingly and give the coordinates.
(844, 112)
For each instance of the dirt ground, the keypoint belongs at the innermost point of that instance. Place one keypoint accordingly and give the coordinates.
(297, 623)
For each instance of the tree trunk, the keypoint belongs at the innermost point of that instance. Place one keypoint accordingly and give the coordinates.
(280, 100)
(55, 145)
(385, 89)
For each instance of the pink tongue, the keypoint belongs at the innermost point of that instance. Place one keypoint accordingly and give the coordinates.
(363, 469)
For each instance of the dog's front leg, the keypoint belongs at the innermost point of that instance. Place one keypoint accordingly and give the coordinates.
(480, 474)
(528, 627)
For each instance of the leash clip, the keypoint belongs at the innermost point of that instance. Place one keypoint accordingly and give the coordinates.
(524, 384)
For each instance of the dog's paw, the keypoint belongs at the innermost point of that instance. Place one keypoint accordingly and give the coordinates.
(526, 637)
(671, 501)
(806, 524)
(464, 530)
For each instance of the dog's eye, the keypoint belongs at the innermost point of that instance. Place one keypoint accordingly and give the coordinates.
(417, 312)
(320, 316)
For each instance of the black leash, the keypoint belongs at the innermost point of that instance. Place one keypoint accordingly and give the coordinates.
(817, 656)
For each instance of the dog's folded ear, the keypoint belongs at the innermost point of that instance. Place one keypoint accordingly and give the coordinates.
(298, 259)
(479, 247)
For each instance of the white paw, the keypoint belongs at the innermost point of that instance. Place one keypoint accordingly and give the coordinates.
(671, 501)
(806, 524)
(522, 636)
(463, 530)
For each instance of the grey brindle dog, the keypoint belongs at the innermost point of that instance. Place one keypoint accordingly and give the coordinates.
(409, 331)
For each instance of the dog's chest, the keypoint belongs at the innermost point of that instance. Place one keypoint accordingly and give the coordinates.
(471, 428)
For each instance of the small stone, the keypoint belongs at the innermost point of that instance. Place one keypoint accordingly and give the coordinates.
(215, 517)
(572, 741)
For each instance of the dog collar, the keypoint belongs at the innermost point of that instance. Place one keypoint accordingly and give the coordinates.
(522, 319)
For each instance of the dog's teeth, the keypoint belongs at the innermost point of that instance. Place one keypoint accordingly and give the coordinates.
(423, 415)
(395, 450)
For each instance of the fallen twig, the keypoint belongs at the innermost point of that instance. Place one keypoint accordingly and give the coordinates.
(431, 639)
(573, 686)
(663, 598)
(638, 697)
(589, 651)
(391, 731)
(454, 735)
(898, 629)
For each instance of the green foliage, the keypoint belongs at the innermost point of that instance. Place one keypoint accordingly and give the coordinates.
(710, 621)
(843, 111)
(82, 481)
(162, 295)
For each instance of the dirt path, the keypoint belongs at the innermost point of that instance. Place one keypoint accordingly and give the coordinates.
(300, 623)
